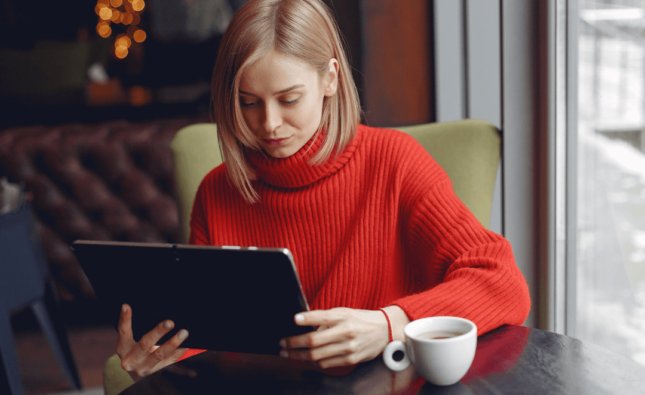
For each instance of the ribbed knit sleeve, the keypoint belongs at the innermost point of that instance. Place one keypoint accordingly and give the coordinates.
(479, 279)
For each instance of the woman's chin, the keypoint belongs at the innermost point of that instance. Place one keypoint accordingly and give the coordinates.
(280, 152)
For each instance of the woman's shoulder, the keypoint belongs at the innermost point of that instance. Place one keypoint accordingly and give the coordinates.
(216, 173)
(403, 152)
(391, 139)
(385, 134)
(215, 177)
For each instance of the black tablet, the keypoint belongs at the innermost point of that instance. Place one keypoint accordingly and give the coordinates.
(228, 298)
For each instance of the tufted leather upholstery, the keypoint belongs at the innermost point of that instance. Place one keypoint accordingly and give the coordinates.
(106, 181)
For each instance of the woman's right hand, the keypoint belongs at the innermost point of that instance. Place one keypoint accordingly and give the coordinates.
(145, 357)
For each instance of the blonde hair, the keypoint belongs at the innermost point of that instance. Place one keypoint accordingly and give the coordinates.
(304, 29)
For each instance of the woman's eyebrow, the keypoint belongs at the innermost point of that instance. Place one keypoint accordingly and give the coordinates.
(278, 92)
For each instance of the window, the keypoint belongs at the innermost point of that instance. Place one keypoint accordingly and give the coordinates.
(606, 285)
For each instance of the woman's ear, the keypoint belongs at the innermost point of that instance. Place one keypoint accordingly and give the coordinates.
(330, 79)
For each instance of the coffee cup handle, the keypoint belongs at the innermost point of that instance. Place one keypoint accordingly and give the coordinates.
(395, 356)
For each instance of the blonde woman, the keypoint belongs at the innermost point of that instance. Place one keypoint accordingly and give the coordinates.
(377, 233)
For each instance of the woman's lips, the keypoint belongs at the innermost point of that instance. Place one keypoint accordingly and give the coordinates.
(278, 141)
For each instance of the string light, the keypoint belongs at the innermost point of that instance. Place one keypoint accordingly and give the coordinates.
(105, 13)
(103, 29)
(120, 52)
(127, 14)
(138, 5)
(139, 36)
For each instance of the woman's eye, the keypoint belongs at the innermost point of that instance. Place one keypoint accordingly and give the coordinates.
(248, 103)
(290, 100)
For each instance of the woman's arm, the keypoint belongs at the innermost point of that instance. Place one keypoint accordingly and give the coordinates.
(477, 275)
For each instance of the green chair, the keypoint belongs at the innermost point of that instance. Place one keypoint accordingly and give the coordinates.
(469, 151)
(115, 379)
(195, 151)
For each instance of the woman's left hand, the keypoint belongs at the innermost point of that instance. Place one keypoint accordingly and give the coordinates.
(344, 337)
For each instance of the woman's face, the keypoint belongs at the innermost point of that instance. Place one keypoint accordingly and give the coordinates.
(281, 98)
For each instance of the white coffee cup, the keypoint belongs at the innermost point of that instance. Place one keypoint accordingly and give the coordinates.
(440, 348)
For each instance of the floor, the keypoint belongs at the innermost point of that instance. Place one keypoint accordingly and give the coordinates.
(41, 374)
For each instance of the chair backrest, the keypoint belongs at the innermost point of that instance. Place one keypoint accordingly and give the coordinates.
(469, 151)
(196, 151)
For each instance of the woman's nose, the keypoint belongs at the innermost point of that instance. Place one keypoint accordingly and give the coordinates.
(272, 118)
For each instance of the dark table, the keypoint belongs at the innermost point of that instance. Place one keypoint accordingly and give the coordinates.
(509, 360)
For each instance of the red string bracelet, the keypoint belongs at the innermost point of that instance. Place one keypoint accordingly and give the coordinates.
(389, 325)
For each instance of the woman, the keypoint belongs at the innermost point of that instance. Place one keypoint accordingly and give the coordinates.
(378, 235)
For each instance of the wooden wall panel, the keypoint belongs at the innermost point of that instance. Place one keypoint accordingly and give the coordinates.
(389, 43)
(396, 61)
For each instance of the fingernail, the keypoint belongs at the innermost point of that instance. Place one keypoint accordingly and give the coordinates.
(284, 354)
(283, 343)
(168, 324)
(300, 318)
(124, 308)
(182, 334)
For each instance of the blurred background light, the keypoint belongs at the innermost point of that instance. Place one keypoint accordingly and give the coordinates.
(139, 36)
(112, 13)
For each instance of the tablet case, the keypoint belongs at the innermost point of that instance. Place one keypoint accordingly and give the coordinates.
(228, 298)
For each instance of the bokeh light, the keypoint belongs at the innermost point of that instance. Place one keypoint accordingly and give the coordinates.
(140, 36)
(121, 52)
(139, 96)
(116, 15)
(103, 30)
(138, 5)
(105, 13)
(127, 19)
(123, 41)
(127, 13)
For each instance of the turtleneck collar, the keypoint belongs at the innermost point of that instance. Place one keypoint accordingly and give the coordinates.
(296, 171)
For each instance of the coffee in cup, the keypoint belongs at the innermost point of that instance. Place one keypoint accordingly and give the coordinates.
(435, 335)
(440, 348)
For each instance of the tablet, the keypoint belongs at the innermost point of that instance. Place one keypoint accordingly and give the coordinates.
(228, 298)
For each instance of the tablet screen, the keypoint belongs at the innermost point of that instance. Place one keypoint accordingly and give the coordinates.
(228, 298)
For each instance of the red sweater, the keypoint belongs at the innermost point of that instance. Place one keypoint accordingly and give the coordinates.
(377, 225)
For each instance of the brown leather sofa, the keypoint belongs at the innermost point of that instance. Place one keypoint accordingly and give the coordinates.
(103, 181)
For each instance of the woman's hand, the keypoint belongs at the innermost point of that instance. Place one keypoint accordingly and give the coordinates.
(344, 336)
(145, 357)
